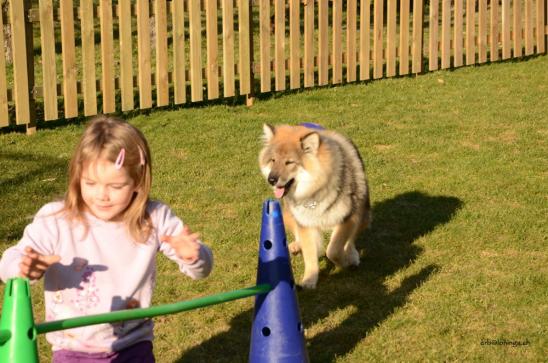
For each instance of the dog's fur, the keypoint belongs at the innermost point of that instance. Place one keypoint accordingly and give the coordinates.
(320, 177)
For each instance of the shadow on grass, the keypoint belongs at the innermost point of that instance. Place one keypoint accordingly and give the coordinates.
(386, 248)
(33, 181)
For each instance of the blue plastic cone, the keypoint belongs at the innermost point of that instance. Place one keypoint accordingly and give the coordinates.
(277, 331)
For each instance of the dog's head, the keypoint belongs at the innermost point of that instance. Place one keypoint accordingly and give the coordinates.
(288, 157)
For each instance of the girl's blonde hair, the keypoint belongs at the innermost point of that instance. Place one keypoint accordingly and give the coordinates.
(103, 138)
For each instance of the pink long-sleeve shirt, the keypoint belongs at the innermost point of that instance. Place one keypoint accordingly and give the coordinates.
(100, 271)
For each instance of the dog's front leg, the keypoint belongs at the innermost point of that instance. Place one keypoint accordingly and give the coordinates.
(291, 226)
(309, 240)
(341, 249)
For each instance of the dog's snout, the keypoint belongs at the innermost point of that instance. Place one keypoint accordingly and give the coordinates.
(272, 179)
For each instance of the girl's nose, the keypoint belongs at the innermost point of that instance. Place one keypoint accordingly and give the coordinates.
(102, 193)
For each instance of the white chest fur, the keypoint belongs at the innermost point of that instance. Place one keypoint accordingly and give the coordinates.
(320, 214)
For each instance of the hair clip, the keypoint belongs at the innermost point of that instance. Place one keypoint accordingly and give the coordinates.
(142, 156)
(120, 159)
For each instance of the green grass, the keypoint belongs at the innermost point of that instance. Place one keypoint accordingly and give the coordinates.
(457, 163)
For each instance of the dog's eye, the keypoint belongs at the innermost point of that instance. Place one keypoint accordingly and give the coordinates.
(272, 160)
(289, 162)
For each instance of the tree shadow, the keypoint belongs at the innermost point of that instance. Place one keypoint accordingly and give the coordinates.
(386, 249)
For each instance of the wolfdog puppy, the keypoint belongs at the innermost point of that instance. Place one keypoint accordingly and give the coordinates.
(319, 176)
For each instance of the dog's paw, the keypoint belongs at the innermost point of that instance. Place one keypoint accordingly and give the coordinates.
(309, 282)
(294, 248)
(353, 258)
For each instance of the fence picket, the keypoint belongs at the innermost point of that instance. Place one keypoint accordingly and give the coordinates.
(365, 39)
(195, 30)
(294, 44)
(162, 78)
(529, 27)
(446, 34)
(404, 37)
(506, 26)
(69, 59)
(457, 34)
(433, 36)
(309, 43)
(337, 42)
(228, 48)
(244, 25)
(494, 32)
(323, 50)
(4, 110)
(351, 25)
(470, 32)
(143, 54)
(391, 39)
(378, 28)
(89, 87)
(212, 49)
(126, 58)
(542, 29)
(264, 34)
(517, 29)
(279, 44)
(482, 31)
(107, 57)
(417, 35)
(49, 72)
(179, 66)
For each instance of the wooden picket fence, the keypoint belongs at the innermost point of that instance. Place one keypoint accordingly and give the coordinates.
(82, 57)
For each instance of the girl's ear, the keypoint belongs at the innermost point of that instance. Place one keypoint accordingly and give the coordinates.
(268, 132)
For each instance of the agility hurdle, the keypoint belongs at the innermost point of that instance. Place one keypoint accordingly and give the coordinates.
(276, 334)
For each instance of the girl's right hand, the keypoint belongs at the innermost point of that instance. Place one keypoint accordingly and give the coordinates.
(33, 264)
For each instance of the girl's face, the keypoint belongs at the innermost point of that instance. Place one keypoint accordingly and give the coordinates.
(106, 191)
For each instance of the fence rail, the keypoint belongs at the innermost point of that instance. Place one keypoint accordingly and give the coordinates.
(66, 58)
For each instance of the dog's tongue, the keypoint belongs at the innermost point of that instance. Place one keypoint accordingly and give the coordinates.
(279, 192)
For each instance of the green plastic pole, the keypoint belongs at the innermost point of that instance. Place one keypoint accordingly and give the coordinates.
(17, 333)
(150, 312)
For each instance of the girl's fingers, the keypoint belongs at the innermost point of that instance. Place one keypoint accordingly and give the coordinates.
(33, 264)
(47, 259)
(27, 271)
(35, 274)
(167, 239)
(188, 233)
(28, 268)
(194, 236)
(182, 237)
(40, 259)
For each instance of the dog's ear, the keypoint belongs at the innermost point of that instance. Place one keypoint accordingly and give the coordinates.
(310, 143)
(268, 132)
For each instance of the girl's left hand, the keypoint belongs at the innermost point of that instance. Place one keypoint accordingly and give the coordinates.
(186, 245)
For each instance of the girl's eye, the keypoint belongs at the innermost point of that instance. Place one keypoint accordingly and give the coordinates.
(117, 187)
(89, 183)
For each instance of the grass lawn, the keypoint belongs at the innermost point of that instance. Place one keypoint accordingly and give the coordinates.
(454, 267)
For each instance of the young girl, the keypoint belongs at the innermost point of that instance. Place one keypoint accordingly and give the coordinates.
(97, 247)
